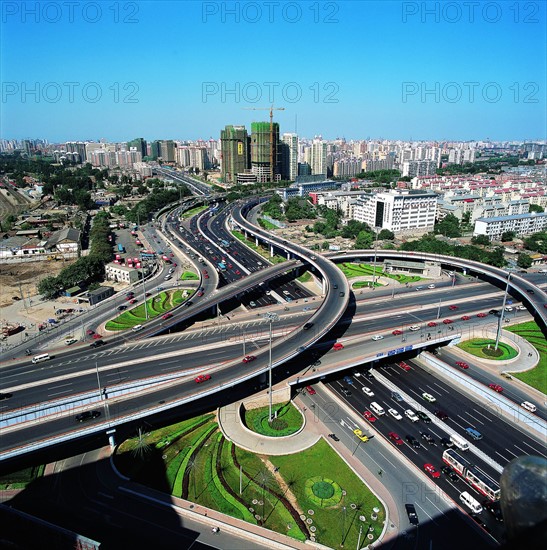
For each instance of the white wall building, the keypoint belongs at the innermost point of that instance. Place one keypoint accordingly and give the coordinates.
(521, 224)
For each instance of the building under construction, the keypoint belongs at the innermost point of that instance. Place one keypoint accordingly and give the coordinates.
(235, 152)
(263, 151)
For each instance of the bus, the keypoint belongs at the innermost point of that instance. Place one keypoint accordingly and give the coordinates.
(221, 266)
(40, 358)
(121, 249)
(478, 479)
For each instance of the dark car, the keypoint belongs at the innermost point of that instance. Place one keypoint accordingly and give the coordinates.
(5, 395)
(121, 308)
(480, 521)
(307, 326)
(87, 415)
(427, 437)
(411, 513)
(450, 473)
(345, 391)
(411, 440)
(423, 417)
(494, 508)
(446, 443)
(97, 344)
(441, 414)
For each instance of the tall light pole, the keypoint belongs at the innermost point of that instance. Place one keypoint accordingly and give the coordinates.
(375, 253)
(271, 317)
(500, 318)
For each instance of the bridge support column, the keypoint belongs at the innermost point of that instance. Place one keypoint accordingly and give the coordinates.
(272, 254)
(111, 440)
(256, 241)
(288, 255)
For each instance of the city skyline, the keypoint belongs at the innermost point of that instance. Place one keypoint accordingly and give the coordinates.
(353, 69)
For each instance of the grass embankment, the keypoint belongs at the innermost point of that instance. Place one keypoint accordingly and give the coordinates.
(304, 498)
(250, 243)
(21, 478)
(156, 305)
(479, 348)
(536, 377)
(268, 226)
(189, 276)
(352, 270)
(287, 421)
(193, 212)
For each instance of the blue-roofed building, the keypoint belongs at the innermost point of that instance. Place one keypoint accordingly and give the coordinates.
(521, 224)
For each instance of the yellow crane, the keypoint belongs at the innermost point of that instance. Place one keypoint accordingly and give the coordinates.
(271, 109)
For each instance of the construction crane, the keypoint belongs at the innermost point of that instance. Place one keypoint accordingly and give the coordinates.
(271, 109)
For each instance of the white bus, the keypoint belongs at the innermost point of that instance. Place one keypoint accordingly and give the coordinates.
(40, 358)
(459, 442)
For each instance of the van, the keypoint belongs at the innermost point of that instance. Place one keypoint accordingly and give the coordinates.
(377, 408)
(136, 328)
(459, 442)
(411, 415)
(473, 433)
(528, 406)
(471, 502)
(40, 358)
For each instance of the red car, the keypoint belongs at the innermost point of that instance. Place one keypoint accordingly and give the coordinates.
(465, 317)
(432, 324)
(395, 438)
(200, 293)
(96, 336)
(133, 301)
(453, 308)
(482, 314)
(404, 366)
(338, 346)
(462, 364)
(148, 294)
(202, 378)
(206, 276)
(447, 321)
(130, 297)
(495, 387)
(167, 316)
(90, 332)
(310, 390)
(249, 358)
(369, 416)
(238, 272)
(204, 271)
(397, 332)
(430, 469)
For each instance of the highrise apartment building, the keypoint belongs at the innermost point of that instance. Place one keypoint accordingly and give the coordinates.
(235, 152)
(264, 150)
(289, 160)
(139, 144)
(318, 157)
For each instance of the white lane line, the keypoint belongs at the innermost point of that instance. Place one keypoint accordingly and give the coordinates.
(530, 446)
(511, 452)
(475, 419)
(504, 458)
(60, 386)
(386, 458)
(441, 388)
(484, 416)
(57, 393)
(434, 505)
(424, 512)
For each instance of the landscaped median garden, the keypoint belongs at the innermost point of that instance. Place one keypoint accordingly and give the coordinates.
(310, 495)
(287, 420)
(352, 270)
(156, 305)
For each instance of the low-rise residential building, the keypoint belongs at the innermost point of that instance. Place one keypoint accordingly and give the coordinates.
(121, 273)
(66, 241)
(521, 224)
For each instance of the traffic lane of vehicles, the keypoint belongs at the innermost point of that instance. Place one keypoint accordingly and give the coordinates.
(426, 454)
(502, 440)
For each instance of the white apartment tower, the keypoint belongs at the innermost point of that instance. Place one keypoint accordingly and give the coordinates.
(292, 141)
(318, 157)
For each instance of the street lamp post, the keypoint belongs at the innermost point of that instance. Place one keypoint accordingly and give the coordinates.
(271, 317)
(375, 253)
(500, 318)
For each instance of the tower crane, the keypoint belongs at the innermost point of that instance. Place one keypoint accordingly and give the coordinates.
(271, 109)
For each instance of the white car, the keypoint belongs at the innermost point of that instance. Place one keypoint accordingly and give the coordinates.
(428, 397)
(508, 308)
(413, 327)
(411, 415)
(378, 337)
(368, 391)
(395, 414)
(521, 308)
(431, 286)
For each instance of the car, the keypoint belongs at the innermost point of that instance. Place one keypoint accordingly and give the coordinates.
(475, 434)
(428, 397)
(495, 312)
(395, 438)
(121, 308)
(167, 316)
(188, 303)
(307, 308)
(378, 337)
(462, 364)
(97, 344)
(452, 308)
(133, 301)
(397, 332)
(521, 308)
(508, 308)
(369, 416)
(494, 508)
(5, 395)
(495, 387)
(397, 396)
(200, 294)
(411, 415)
(395, 414)
(426, 436)
(413, 327)
(431, 286)
(368, 374)
(405, 366)
(447, 321)
(450, 473)
(202, 378)
(411, 513)
(419, 287)
(349, 380)
(359, 433)
(206, 276)
(130, 297)
(423, 417)
(307, 326)
(249, 358)
(413, 442)
(432, 324)
(465, 317)
(204, 271)
(368, 391)
(89, 332)
(252, 303)
(440, 414)
(338, 346)
(96, 336)
(237, 272)
(446, 443)
(87, 415)
(432, 471)
(148, 294)
(345, 391)
(482, 314)
(310, 390)
(334, 437)
(530, 291)
(70, 341)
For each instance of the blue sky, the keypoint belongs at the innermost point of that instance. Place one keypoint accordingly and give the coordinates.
(353, 69)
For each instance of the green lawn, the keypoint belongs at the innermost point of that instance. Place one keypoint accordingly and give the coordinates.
(193, 460)
(477, 347)
(258, 249)
(156, 305)
(194, 211)
(21, 478)
(189, 276)
(268, 226)
(351, 270)
(305, 277)
(288, 420)
(537, 377)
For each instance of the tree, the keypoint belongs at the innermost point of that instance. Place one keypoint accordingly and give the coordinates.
(386, 235)
(483, 240)
(325, 245)
(507, 236)
(537, 242)
(449, 227)
(524, 261)
(48, 287)
(364, 240)
(535, 208)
